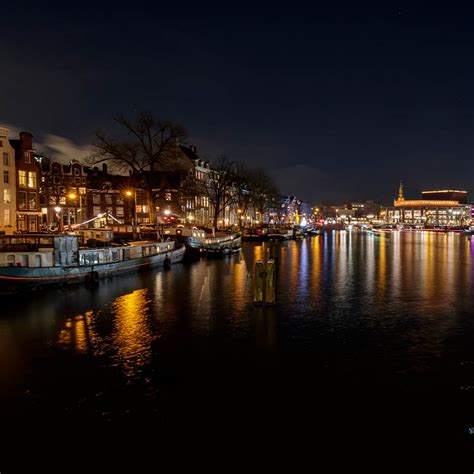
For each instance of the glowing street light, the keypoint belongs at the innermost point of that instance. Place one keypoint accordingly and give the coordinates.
(133, 194)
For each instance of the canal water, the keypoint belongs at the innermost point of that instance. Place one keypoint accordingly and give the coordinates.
(372, 334)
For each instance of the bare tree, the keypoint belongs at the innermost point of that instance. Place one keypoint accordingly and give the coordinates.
(219, 187)
(242, 184)
(149, 146)
(264, 193)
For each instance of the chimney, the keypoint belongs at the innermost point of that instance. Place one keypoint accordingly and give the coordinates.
(104, 167)
(26, 140)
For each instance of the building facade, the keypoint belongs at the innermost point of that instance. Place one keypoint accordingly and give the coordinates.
(28, 212)
(63, 193)
(109, 195)
(432, 212)
(7, 183)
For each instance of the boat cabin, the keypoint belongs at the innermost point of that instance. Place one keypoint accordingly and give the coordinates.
(185, 232)
(38, 250)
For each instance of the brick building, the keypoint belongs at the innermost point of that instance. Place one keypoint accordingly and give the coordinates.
(63, 193)
(109, 194)
(28, 213)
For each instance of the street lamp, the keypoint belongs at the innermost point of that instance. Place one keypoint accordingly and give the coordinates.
(133, 193)
(72, 197)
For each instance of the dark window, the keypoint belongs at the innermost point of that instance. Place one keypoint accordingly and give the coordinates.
(21, 200)
(5, 177)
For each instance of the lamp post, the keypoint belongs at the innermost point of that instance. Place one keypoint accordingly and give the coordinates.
(72, 197)
(134, 194)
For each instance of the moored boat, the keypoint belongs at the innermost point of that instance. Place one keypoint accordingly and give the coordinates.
(192, 238)
(255, 234)
(222, 244)
(198, 243)
(280, 234)
(35, 261)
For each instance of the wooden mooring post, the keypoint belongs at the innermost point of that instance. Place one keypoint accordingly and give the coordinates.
(264, 281)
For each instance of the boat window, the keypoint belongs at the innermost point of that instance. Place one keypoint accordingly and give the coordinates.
(37, 260)
(24, 260)
(11, 260)
(89, 258)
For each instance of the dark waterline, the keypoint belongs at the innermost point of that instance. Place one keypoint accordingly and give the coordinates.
(370, 331)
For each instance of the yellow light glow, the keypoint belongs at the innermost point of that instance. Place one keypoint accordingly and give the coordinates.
(128, 193)
(72, 195)
(445, 191)
(424, 202)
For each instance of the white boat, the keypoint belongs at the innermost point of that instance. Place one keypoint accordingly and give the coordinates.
(199, 243)
(280, 234)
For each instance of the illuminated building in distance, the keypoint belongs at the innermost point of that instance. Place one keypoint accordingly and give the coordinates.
(445, 207)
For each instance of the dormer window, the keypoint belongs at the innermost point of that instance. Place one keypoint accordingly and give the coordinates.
(26, 156)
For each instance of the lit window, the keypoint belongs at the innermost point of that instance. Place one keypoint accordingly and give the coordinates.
(7, 196)
(120, 212)
(6, 217)
(32, 179)
(22, 178)
(96, 210)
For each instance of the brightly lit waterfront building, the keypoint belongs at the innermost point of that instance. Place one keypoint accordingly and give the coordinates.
(447, 207)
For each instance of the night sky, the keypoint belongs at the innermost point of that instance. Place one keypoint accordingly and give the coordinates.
(340, 104)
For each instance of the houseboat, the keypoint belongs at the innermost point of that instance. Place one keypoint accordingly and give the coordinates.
(255, 234)
(280, 234)
(222, 244)
(36, 261)
(198, 243)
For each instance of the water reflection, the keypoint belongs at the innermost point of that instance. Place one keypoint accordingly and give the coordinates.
(356, 305)
(132, 336)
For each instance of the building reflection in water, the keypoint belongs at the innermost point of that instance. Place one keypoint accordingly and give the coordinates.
(132, 335)
(340, 276)
(79, 333)
(129, 343)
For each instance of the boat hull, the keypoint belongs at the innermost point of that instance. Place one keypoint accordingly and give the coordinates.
(20, 279)
(227, 247)
(280, 237)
